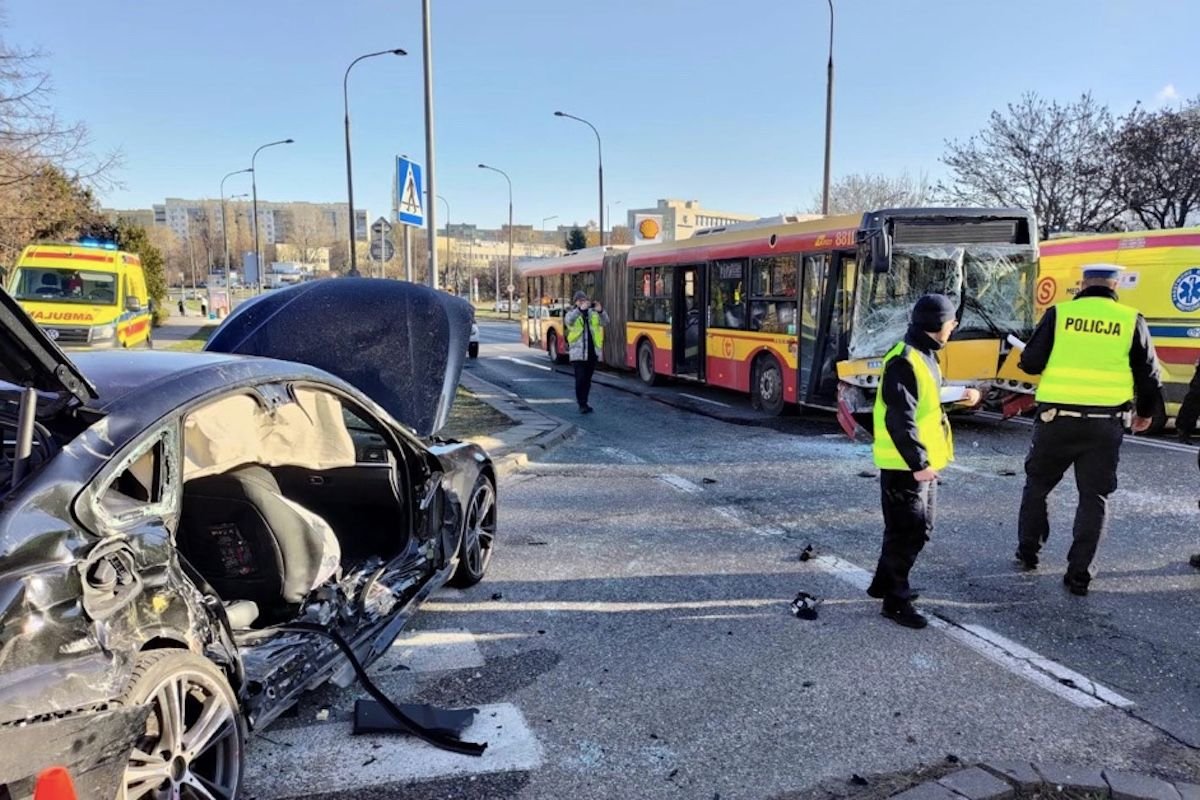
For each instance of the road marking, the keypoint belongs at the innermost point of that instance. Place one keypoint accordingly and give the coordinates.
(431, 651)
(704, 400)
(549, 401)
(680, 484)
(534, 380)
(525, 363)
(739, 518)
(324, 758)
(1021, 661)
(1174, 447)
(623, 456)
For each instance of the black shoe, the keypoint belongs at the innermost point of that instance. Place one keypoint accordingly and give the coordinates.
(1027, 563)
(1078, 587)
(586, 410)
(1195, 561)
(902, 612)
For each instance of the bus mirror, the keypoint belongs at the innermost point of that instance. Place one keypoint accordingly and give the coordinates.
(881, 252)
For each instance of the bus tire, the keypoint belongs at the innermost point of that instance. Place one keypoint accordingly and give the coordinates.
(552, 349)
(766, 388)
(645, 363)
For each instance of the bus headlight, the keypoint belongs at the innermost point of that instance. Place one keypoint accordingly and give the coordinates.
(104, 333)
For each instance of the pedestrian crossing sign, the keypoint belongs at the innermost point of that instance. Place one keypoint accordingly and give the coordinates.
(409, 207)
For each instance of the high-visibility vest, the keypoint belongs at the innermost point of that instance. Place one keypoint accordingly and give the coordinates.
(1089, 363)
(933, 429)
(575, 329)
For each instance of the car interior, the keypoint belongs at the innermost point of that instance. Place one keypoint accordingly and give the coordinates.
(282, 498)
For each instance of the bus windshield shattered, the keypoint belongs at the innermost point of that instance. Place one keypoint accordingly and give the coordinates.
(991, 284)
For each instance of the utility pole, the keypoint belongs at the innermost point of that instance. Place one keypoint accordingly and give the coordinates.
(828, 116)
(431, 187)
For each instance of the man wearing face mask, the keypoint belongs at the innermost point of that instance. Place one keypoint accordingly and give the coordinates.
(585, 338)
(912, 444)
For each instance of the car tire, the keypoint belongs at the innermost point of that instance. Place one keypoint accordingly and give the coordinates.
(473, 350)
(479, 535)
(767, 386)
(180, 684)
(645, 363)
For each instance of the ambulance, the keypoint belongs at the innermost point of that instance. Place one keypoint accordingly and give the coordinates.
(85, 295)
(1161, 280)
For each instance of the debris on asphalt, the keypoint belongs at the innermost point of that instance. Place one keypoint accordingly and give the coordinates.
(805, 606)
(708, 480)
(323, 714)
(859, 780)
(371, 717)
(808, 684)
(1008, 473)
(497, 595)
(672, 774)
(806, 553)
(953, 759)
(868, 473)
(370, 761)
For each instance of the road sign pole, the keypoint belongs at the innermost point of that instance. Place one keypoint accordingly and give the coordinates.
(408, 265)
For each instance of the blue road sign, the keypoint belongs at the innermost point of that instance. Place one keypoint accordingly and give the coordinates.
(410, 208)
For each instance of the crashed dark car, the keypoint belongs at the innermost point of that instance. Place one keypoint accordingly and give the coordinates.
(191, 541)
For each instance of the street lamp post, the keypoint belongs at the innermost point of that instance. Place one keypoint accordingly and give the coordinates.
(446, 203)
(608, 210)
(224, 227)
(510, 241)
(828, 115)
(600, 155)
(544, 221)
(254, 206)
(349, 171)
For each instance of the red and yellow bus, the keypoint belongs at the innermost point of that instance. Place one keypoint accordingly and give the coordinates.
(796, 310)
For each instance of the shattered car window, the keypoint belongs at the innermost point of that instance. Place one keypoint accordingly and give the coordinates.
(884, 301)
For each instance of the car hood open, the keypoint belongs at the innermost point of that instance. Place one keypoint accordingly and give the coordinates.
(401, 344)
(29, 358)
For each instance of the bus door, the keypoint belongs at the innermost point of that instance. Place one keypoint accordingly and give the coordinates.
(829, 296)
(533, 312)
(687, 326)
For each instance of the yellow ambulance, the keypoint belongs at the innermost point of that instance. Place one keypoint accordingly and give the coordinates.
(1161, 280)
(87, 294)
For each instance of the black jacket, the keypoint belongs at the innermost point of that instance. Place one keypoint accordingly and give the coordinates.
(898, 384)
(1147, 377)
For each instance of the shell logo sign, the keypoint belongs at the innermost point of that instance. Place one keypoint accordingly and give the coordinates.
(647, 229)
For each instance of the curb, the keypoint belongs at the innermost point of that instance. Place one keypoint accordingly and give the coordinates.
(534, 434)
(1001, 780)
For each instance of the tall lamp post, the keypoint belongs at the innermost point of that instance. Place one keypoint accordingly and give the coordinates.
(544, 221)
(349, 171)
(510, 240)
(600, 155)
(224, 227)
(254, 205)
(828, 115)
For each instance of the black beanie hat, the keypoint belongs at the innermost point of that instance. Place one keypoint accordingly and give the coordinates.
(932, 311)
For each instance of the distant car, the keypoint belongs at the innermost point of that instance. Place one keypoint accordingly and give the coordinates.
(502, 305)
(473, 345)
(179, 517)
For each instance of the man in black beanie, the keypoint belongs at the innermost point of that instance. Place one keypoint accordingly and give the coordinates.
(912, 444)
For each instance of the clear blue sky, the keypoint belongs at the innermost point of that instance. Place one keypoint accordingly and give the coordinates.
(712, 100)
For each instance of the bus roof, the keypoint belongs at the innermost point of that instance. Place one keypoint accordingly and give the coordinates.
(753, 238)
(1127, 240)
(590, 259)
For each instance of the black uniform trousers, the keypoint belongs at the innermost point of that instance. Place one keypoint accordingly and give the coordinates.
(1093, 447)
(908, 506)
(583, 380)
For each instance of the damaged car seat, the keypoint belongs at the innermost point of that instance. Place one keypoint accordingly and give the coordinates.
(253, 544)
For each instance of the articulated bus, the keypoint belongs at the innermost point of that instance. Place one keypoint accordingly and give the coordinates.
(1162, 280)
(795, 310)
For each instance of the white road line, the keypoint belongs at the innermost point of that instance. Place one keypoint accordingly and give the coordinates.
(623, 456)
(1174, 447)
(431, 651)
(1016, 658)
(738, 517)
(325, 757)
(533, 380)
(680, 484)
(525, 363)
(704, 400)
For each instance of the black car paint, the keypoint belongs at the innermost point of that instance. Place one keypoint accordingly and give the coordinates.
(81, 596)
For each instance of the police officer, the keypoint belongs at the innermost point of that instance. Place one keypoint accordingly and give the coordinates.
(585, 339)
(1189, 410)
(1095, 356)
(912, 444)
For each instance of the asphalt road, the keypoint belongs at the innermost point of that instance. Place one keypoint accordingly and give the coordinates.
(633, 636)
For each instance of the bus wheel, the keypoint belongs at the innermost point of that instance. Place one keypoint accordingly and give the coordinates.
(767, 387)
(552, 347)
(645, 363)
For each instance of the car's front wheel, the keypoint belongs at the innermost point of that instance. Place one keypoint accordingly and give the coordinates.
(479, 535)
(194, 741)
(473, 349)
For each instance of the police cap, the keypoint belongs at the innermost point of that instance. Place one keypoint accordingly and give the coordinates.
(1102, 272)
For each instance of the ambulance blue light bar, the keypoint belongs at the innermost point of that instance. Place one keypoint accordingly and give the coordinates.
(103, 245)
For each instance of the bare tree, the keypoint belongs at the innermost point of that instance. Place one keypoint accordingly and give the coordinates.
(309, 231)
(1053, 158)
(1159, 158)
(861, 192)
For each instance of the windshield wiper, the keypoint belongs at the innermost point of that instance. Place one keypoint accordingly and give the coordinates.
(978, 308)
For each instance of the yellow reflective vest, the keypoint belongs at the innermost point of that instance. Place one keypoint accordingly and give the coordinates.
(575, 329)
(933, 429)
(1089, 363)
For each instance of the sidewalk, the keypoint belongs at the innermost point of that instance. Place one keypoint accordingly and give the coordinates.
(533, 434)
(179, 329)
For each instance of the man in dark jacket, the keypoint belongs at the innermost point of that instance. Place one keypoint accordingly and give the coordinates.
(912, 444)
(1095, 357)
